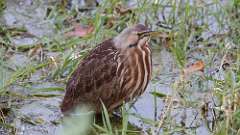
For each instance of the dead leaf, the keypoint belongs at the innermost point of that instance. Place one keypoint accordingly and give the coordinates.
(122, 10)
(80, 31)
(197, 66)
(110, 22)
(35, 51)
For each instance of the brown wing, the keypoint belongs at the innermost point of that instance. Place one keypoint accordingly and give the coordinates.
(94, 79)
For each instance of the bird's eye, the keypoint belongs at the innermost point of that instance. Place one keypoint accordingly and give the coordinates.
(132, 45)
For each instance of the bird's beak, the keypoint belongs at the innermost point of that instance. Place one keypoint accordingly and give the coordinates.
(147, 33)
(151, 34)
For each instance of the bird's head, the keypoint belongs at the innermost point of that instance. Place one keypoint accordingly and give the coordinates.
(135, 36)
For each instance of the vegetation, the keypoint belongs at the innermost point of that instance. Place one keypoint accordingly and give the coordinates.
(203, 37)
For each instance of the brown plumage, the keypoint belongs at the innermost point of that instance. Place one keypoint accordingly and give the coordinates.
(115, 71)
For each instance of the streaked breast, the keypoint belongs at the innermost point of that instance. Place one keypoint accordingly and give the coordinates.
(134, 71)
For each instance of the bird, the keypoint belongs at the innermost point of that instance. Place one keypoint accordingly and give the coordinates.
(116, 71)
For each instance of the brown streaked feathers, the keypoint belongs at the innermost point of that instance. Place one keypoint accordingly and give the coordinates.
(117, 70)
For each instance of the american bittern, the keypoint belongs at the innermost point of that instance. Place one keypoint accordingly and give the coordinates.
(114, 72)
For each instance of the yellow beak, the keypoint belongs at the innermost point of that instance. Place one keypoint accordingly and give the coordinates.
(152, 34)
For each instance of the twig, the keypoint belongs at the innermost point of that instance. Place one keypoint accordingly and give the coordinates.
(169, 105)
